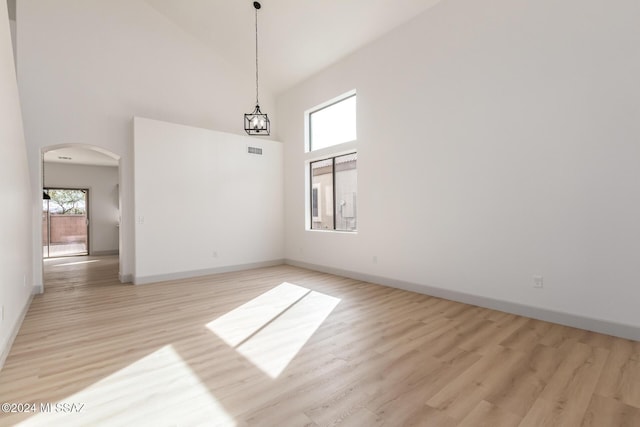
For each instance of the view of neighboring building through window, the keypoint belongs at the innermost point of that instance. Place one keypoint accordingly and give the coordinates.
(333, 124)
(333, 180)
(333, 193)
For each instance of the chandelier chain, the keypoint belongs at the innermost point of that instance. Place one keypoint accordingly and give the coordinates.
(256, 56)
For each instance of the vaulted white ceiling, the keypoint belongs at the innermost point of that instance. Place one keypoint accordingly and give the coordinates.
(297, 38)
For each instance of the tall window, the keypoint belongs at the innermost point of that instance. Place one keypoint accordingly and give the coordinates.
(333, 179)
(333, 123)
(333, 193)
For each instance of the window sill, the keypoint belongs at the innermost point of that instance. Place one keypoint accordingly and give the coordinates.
(316, 230)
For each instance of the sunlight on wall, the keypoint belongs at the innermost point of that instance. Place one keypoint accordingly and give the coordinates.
(271, 329)
(157, 390)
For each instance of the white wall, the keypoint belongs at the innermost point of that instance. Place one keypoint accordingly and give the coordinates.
(16, 260)
(497, 140)
(87, 67)
(102, 182)
(202, 203)
(12, 26)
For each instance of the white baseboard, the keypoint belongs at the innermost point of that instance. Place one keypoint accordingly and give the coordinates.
(105, 253)
(568, 319)
(14, 333)
(141, 280)
(125, 278)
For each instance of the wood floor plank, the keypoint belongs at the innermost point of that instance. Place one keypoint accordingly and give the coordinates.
(604, 411)
(472, 386)
(527, 335)
(487, 415)
(620, 378)
(423, 384)
(529, 377)
(566, 397)
(148, 355)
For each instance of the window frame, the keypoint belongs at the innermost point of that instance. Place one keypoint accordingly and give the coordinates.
(318, 188)
(324, 106)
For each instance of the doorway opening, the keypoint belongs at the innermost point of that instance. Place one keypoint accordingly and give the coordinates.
(80, 225)
(65, 222)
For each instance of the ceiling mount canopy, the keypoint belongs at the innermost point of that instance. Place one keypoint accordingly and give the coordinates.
(257, 122)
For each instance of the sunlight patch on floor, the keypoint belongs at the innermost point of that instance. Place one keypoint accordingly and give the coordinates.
(271, 329)
(159, 389)
(76, 263)
(244, 321)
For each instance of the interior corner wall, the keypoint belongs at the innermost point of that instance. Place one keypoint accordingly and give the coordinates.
(203, 204)
(497, 140)
(12, 26)
(102, 182)
(16, 276)
(86, 68)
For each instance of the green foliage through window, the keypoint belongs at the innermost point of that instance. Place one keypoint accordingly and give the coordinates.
(67, 202)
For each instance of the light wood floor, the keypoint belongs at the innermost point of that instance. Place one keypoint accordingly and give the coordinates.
(144, 355)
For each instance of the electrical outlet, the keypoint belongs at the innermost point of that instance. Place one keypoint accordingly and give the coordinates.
(24, 280)
(538, 282)
(375, 259)
(2, 313)
(215, 254)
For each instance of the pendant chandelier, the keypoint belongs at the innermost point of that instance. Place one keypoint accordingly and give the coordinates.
(257, 122)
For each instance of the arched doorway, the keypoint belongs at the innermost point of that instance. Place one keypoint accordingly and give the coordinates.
(81, 206)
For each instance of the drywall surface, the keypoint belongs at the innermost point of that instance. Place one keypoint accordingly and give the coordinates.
(102, 182)
(497, 141)
(12, 26)
(202, 202)
(87, 67)
(16, 278)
